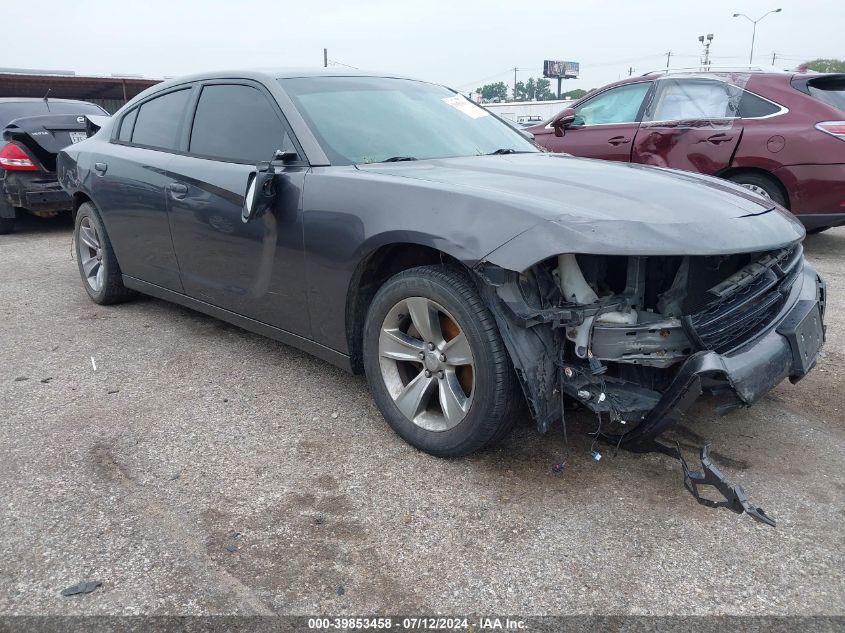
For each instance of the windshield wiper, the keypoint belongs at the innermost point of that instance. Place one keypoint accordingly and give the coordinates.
(397, 159)
(507, 150)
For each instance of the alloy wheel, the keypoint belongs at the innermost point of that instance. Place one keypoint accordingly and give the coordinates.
(426, 364)
(90, 252)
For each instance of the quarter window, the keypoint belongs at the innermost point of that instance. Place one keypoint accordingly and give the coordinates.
(752, 107)
(617, 105)
(158, 120)
(126, 126)
(237, 123)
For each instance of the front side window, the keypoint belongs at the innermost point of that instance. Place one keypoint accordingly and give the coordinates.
(617, 105)
(237, 123)
(694, 99)
(159, 120)
(374, 119)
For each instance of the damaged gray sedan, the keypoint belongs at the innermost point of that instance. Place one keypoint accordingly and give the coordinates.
(393, 227)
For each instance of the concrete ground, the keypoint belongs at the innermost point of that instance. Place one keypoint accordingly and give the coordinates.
(202, 469)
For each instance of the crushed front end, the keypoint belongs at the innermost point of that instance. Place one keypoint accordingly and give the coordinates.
(638, 339)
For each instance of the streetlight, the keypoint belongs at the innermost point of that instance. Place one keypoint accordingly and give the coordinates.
(706, 60)
(754, 32)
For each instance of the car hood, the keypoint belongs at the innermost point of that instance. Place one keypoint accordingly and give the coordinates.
(581, 205)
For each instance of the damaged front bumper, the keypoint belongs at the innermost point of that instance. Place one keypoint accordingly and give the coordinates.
(784, 343)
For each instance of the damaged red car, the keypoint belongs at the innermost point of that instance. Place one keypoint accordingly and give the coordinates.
(780, 134)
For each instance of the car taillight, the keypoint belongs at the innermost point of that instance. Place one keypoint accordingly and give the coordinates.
(14, 157)
(834, 128)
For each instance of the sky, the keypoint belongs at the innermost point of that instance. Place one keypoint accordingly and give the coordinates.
(460, 43)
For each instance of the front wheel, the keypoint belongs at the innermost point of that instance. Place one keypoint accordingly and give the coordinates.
(436, 364)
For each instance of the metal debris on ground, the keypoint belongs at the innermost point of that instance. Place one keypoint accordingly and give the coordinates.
(86, 586)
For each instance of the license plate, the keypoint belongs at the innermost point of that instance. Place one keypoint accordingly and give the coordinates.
(76, 137)
(804, 330)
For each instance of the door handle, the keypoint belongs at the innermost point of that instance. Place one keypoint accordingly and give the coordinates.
(178, 190)
(101, 168)
(618, 140)
(719, 138)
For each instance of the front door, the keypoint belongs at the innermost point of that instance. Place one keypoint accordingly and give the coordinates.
(605, 125)
(691, 124)
(254, 269)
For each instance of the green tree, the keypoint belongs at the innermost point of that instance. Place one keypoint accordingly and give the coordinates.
(530, 89)
(825, 65)
(543, 91)
(519, 91)
(493, 92)
(574, 94)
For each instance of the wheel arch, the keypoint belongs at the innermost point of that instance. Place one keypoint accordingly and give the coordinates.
(79, 198)
(736, 171)
(373, 270)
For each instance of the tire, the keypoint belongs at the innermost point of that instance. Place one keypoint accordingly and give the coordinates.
(464, 328)
(817, 230)
(761, 184)
(7, 225)
(95, 258)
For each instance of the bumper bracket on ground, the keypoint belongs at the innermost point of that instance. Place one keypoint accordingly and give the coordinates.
(711, 475)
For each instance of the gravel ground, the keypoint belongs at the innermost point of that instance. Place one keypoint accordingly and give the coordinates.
(205, 470)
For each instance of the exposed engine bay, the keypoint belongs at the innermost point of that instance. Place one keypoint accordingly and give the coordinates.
(637, 339)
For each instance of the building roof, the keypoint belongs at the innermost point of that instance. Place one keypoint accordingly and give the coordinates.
(68, 85)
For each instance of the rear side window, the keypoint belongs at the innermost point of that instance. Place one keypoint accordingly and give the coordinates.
(237, 123)
(158, 120)
(682, 100)
(126, 126)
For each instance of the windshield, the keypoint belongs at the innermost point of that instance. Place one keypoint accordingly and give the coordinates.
(17, 109)
(374, 119)
(830, 90)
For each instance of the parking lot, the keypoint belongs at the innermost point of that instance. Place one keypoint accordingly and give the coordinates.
(195, 468)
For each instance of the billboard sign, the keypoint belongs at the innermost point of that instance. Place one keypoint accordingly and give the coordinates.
(560, 70)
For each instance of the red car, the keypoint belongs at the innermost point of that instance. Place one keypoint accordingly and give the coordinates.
(780, 134)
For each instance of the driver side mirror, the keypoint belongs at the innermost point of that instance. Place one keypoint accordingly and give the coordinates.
(260, 192)
(564, 120)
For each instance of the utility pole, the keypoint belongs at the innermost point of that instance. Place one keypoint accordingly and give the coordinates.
(325, 58)
(514, 82)
(668, 57)
(630, 70)
(774, 57)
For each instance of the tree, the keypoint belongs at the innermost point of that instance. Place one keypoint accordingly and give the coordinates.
(574, 94)
(519, 91)
(825, 65)
(493, 92)
(542, 91)
(530, 89)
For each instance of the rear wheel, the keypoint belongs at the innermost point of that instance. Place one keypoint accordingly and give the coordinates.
(7, 225)
(98, 265)
(760, 184)
(436, 364)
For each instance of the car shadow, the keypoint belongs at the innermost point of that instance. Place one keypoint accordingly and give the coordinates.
(27, 224)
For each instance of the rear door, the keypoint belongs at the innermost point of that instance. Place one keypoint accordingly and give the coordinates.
(605, 125)
(129, 183)
(254, 269)
(690, 124)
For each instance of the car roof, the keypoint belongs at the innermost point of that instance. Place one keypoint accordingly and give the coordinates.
(272, 74)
